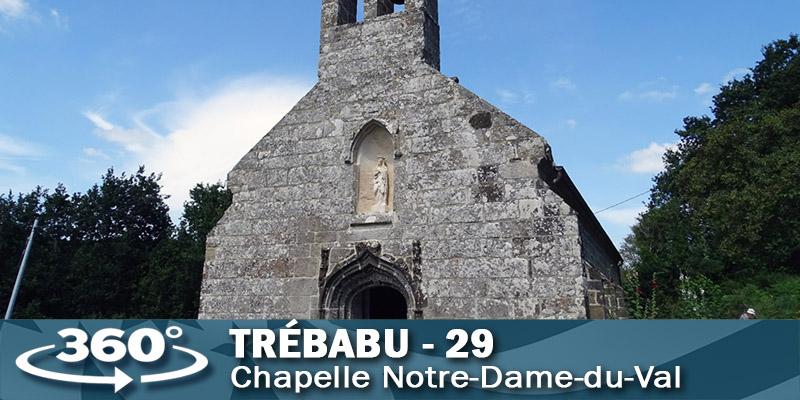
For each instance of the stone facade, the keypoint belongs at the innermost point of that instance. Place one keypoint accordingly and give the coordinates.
(468, 218)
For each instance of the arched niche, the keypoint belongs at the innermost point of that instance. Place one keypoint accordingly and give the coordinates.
(373, 160)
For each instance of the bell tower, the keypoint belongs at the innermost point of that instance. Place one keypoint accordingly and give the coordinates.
(392, 35)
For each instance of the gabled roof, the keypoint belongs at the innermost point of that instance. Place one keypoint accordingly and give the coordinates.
(559, 181)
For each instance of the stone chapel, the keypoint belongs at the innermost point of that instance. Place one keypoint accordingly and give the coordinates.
(391, 191)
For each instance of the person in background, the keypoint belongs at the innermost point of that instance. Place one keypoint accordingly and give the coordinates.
(749, 314)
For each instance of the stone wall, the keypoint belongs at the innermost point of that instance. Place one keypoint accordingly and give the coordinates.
(475, 229)
(605, 297)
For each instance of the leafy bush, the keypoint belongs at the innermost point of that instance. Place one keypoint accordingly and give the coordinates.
(780, 299)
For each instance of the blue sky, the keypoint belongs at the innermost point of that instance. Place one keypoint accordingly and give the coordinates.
(85, 85)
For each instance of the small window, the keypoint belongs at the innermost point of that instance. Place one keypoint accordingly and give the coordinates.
(360, 10)
(345, 11)
(384, 7)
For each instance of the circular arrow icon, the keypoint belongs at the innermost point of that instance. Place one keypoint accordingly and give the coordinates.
(120, 379)
(200, 363)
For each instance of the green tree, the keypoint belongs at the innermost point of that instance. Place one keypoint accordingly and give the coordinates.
(120, 223)
(204, 209)
(725, 207)
(90, 248)
(111, 252)
(16, 218)
(170, 285)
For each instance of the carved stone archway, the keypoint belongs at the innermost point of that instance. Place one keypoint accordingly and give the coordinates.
(365, 269)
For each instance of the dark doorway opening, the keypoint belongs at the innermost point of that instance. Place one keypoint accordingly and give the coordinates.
(381, 302)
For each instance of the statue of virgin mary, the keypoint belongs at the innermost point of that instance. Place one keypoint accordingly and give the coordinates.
(380, 186)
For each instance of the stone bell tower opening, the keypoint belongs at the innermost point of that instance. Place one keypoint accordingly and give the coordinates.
(380, 302)
(350, 11)
(400, 33)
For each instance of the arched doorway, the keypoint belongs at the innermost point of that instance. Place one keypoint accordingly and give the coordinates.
(379, 302)
(368, 286)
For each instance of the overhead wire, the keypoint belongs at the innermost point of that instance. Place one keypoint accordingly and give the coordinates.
(623, 201)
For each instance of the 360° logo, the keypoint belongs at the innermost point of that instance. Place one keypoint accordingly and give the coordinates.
(106, 346)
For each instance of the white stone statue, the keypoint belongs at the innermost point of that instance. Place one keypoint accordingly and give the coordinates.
(380, 186)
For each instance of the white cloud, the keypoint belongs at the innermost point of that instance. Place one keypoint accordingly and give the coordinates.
(571, 123)
(563, 84)
(514, 97)
(138, 139)
(13, 8)
(654, 95)
(647, 160)
(621, 216)
(25, 11)
(203, 136)
(60, 20)
(507, 96)
(654, 91)
(98, 121)
(11, 167)
(705, 88)
(11, 147)
(659, 95)
(12, 150)
(736, 73)
(92, 152)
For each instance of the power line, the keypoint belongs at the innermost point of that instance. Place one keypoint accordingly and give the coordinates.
(623, 201)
